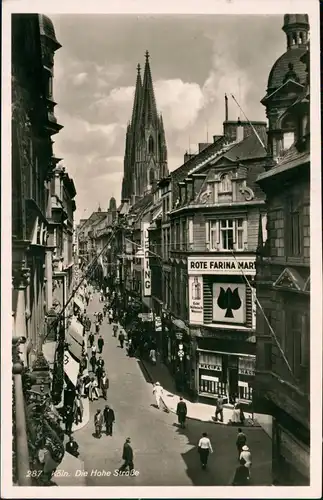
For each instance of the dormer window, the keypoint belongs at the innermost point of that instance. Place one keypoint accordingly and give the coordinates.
(225, 184)
(288, 127)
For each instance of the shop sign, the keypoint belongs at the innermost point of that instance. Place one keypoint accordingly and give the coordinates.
(145, 261)
(158, 324)
(195, 284)
(210, 367)
(223, 265)
(146, 317)
(246, 372)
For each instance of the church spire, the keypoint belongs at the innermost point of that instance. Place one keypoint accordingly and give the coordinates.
(149, 109)
(137, 100)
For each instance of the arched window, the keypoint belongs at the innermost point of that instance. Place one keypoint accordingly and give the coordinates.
(225, 184)
(151, 145)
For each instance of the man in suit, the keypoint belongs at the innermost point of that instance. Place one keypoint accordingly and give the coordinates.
(72, 447)
(181, 412)
(127, 456)
(109, 419)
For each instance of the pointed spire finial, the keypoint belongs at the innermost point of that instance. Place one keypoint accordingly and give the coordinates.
(138, 68)
(147, 56)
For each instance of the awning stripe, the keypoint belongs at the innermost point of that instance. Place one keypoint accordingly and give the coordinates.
(71, 367)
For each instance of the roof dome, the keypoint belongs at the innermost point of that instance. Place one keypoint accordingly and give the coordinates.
(282, 66)
(289, 65)
(47, 29)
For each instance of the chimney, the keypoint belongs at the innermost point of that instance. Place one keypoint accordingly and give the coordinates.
(188, 156)
(226, 107)
(239, 131)
(203, 145)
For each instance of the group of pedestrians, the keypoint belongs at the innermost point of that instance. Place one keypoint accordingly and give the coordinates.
(107, 417)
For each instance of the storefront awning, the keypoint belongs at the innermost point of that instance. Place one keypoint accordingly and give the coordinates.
(242, 355)
(49, 349)
(79, 303)
(180, 324)
(74, 338)
(71, 367)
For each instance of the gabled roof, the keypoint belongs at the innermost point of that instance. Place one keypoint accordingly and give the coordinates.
(276, 92)
(290, 279)
(138, 208)
(246, 149)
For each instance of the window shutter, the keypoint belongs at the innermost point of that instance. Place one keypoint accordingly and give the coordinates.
(245, 233)
(190, 231)
(207, 235)
(235, 230)
(218, 233)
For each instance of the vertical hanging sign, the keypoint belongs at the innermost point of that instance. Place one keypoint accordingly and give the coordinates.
(146, 272)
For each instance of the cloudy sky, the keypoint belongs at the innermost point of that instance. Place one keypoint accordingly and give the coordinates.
(194, 61)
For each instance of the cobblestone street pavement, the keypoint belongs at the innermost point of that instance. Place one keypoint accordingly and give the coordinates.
(164, 455)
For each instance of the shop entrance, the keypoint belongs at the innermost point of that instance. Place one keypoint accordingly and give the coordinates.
(233, 378)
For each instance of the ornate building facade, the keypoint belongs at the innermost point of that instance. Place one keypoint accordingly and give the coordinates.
(282, 382)
(35, 420)
(145, 160)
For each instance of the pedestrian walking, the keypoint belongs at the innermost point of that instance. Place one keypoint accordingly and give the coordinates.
(246, 455)
(94, 350)
(204, 449)
(219, 409)
(99, 373)
(100, 362)
(104, 385)
(110, 316)
(240, 442)
(97, 327)
(93, 362)
(152, 356)
(241, 476)
(98, 422)
(121, 339)
(69, 420)
(78, 410)
(181, 412)
(109, 419)
(158, 392)
(100, 344)
(91, 339)
(115, 329)
(127, 456)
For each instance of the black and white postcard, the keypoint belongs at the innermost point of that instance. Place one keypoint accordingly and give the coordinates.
(161, 249)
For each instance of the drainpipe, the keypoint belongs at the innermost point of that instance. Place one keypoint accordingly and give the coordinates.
(22, 452)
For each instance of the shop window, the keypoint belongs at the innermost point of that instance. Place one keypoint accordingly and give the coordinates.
(245, 391)
(227, 234)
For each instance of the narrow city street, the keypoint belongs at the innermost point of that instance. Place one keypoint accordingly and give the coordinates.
(164, 455)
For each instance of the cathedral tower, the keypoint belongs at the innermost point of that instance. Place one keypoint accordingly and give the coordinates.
(145, 160)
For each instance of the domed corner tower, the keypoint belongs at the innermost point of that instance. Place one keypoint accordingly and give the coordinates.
(286, 82)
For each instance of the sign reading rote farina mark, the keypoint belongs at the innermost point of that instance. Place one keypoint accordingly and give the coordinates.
(222, 265)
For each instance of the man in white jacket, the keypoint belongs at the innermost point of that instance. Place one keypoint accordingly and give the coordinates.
(158, 391)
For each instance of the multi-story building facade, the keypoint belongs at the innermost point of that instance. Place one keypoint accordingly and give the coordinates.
(282, 382)
(33, 125)
(210, 246)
